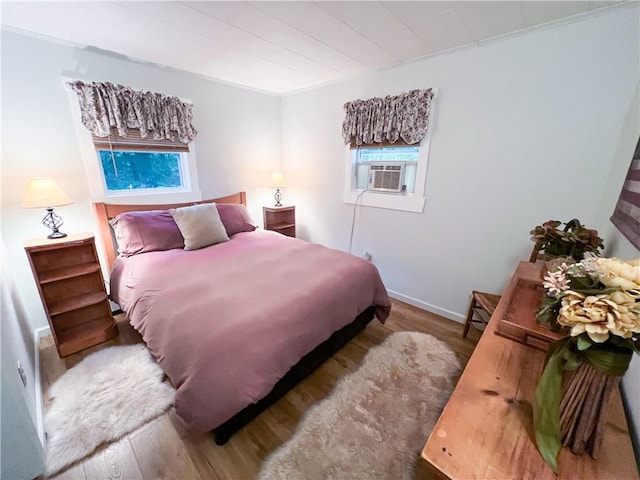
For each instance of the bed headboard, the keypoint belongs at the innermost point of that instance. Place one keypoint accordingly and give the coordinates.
(106, 211)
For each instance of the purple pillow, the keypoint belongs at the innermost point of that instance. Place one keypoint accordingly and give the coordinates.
(148, 231)
(235, 218)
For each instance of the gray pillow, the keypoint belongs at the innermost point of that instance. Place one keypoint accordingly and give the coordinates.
(200, 225)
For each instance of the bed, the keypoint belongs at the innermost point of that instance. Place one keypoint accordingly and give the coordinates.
(236, 324)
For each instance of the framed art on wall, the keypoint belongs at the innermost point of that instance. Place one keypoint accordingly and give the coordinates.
(626, 215)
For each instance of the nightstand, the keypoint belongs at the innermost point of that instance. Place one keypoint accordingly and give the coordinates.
(69, 279)
(280, 219)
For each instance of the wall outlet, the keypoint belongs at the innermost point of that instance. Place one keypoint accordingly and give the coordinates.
(23, 376)
(366, 255)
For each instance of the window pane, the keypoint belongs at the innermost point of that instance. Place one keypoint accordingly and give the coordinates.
(126, 170)
(410, 177)
(362, 177)
(388, 154)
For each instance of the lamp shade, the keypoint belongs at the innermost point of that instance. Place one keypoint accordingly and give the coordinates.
(277, 180)
(44, 193)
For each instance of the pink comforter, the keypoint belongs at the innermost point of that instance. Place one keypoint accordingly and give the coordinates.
(228, 321)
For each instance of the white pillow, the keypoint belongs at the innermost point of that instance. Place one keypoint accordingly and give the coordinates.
(200, 225)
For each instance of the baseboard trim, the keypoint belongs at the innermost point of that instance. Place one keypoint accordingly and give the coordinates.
(39, 333)
(427, 306)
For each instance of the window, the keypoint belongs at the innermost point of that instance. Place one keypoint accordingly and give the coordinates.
(135, 165)
(386, 169)
(363, 165)
(128, 170)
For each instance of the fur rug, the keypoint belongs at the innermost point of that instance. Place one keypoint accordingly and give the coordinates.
(107, 395)
(377, 419)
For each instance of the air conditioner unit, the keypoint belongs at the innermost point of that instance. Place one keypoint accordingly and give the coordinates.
(386, 177)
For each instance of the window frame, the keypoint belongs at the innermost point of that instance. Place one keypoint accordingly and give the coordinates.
(408, 202)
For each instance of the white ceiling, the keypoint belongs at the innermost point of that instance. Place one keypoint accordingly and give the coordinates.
(282, 47)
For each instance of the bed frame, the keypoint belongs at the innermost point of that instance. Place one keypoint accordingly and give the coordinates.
(105, 212)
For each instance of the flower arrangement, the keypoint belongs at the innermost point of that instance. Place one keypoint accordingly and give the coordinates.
(597, 301)
(574, 240)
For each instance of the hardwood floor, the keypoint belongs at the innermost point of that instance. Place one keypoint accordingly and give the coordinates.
(165, 449)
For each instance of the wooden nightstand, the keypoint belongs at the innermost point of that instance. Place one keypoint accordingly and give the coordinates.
(67, 272)
(280, 219)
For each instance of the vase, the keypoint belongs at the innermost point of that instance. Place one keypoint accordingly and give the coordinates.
(586, 395)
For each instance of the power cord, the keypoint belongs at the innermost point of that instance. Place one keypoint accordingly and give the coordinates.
(353, 219)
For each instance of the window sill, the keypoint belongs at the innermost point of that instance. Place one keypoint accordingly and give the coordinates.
(133, 197)
(408, 203)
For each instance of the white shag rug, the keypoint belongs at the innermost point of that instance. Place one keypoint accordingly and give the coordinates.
(107, 395)
(377, 419)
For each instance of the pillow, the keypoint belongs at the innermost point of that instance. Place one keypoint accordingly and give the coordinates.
(200, 225)
(235, 218)
(149, 231)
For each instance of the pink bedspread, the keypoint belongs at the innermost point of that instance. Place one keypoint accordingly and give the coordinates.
(228, 321)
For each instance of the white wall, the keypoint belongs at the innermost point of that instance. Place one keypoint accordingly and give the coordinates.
(17, 342)
(237, 146)
(22, 455)
(526, 129)
(618, 246)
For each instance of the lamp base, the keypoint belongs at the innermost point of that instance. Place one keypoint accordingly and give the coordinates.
(53, 221)
(277, 197)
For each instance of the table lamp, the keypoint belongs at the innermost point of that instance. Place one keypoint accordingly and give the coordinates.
(277, 182)
(45, 193)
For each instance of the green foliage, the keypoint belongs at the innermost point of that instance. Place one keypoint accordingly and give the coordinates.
(548, 312)
(128, 170)
(574, 240)
(583, 342)
(546, 407)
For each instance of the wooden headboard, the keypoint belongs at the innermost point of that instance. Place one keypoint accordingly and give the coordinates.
(106, 211)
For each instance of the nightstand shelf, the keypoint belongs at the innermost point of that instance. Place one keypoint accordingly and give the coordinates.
(73, 339)
(68, 272)
(69, 279)
(280, 219)
(281, 226)
(75, 303)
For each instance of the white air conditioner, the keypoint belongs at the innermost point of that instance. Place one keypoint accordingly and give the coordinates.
(386, 177)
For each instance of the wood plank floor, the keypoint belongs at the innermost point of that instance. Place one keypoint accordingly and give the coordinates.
(165, 449)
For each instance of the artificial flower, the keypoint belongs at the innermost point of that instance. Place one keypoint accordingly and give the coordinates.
(556, 282)
(574, 240)
(598, 300)
(613, 272)
(600, 315)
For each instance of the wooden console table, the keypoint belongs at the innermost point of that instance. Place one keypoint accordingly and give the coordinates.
(486, 428)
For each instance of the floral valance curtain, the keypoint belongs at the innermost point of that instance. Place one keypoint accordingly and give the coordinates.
(106, 107)
(380, 120)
